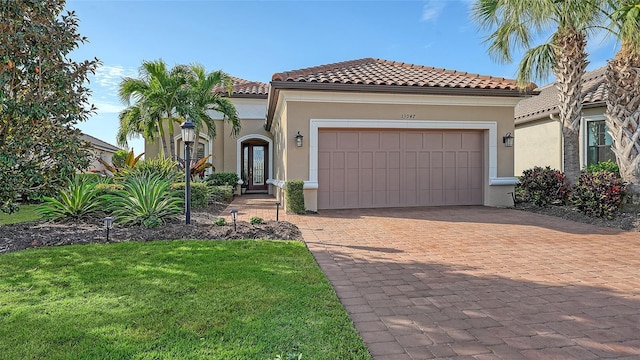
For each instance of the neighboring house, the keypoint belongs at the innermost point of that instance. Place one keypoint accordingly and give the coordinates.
(100, 150)
(538, 133)
(376, 133)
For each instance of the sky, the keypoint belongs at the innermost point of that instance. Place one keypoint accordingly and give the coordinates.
(253, 40)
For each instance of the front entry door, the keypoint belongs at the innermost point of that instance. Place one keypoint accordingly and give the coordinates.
(254, 166)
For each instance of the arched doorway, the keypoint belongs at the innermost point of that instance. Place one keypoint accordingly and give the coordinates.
(255, 165)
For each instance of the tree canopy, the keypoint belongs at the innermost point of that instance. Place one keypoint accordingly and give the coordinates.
(42, 96)
(162, 98)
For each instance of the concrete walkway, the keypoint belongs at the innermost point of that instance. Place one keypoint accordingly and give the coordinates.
(475, 282)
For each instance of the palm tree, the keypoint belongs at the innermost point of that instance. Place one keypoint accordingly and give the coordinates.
(156, 95)
(205, 90)
(165, 98)
(623, 99)
(515, 24)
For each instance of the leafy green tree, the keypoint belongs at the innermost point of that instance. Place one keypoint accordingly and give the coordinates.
(162, 98)
(42, 97)
(623, 98)
(517, 23)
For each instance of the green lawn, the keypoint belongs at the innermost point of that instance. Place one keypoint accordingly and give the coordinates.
(26, 213)
(171, 300)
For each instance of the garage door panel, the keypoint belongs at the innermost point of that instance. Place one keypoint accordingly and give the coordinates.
(390, 141)
(437, 158)
(472, 141)
(369, 140)
(400, 168)
(329, 140)
(452, 141)
(413, 141)
(433, 141)
(348, 141)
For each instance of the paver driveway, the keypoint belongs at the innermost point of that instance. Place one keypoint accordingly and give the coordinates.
(481, 283)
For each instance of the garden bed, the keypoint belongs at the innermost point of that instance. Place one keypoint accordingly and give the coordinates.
(40, 233)
(627, 219)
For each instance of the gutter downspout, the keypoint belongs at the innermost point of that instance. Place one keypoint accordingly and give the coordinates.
(554, 117)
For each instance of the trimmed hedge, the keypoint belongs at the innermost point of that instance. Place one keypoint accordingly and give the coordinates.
(199, 193)
(295, 196)
(223, 178)
(222, 193)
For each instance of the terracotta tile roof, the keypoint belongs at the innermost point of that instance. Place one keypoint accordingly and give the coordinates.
(242, 87)
(371, 71)
(546, 103)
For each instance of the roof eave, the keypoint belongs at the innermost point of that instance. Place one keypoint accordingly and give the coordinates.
(276, 86)
(555, 111)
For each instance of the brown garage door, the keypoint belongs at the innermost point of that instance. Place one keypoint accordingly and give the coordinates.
(393, 168)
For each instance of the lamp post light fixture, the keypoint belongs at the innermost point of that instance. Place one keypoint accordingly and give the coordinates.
(234, 216)
(507, 140)
(108, 224)
(277, 210)
(299, 140)
(188, 137)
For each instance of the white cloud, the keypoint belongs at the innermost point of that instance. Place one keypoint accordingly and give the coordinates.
(432, 10)
(105, 107)
(109, 77)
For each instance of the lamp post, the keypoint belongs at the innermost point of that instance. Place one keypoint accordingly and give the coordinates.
(188, 137)
(277, 210)
(234, 216)
(108, 223)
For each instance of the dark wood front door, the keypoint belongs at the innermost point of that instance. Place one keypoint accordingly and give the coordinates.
(255, 165)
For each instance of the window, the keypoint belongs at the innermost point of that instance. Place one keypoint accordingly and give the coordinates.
(598, 143)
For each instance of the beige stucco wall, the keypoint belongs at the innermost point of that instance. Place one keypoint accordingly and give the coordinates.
(297, 115)
(538, 143)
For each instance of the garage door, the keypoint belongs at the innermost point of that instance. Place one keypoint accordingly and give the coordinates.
(397, 168)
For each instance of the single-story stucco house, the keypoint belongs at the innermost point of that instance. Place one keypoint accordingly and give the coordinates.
(375, 133)
(538, 130)
(100, 149)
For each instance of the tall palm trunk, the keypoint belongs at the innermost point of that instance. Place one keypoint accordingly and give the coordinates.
(571, 63)
(623, 113)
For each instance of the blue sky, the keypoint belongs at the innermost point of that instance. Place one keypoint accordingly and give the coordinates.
(255, 39)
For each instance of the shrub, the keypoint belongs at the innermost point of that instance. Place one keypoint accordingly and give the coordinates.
(604, 166)
(256, 220)
(145, 200)
(163, 168)
(199, 193)
(220, 222)
(104, 189)
(222, 193)
(79, 200)
(223, 178)
(119, 158)
(598, 194)
(295, 196)
(543, 186)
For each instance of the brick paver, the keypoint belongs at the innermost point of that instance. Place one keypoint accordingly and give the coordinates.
(476, 282)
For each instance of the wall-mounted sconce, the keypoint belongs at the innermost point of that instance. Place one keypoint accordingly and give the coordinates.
(507, 140)
(299, 140)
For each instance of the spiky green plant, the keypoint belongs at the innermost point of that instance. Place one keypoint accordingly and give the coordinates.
(145, 200)
(164, 168)
(78, 201)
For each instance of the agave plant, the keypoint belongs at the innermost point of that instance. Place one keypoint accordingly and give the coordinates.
(80, 200)
(145, 200)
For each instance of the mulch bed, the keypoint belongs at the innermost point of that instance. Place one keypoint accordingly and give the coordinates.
(40, 233)
(628, 219)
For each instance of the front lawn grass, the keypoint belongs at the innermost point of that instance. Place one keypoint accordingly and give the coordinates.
(26, 213)
(174, 299)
